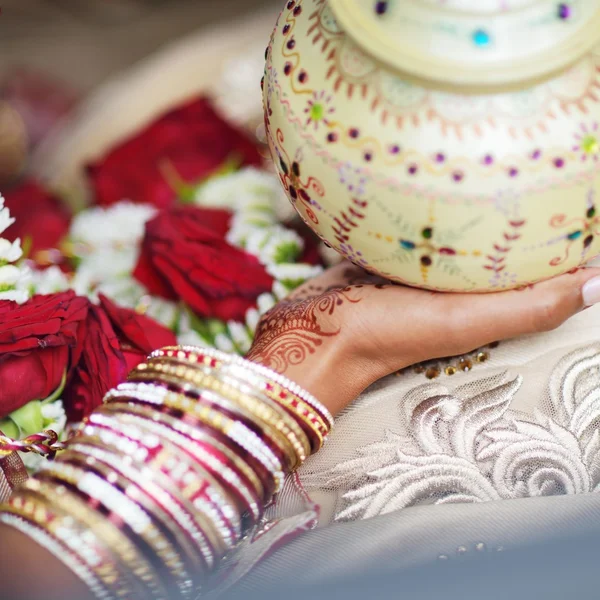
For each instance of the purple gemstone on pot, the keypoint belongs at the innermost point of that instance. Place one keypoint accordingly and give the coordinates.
(381, 7)
(536, 154)
(302, 76)
(354, 133)
(559, 163)
(395, 149)
(332, 137)
(291, 4)
(458, 176)
(287, 68)
(368, 156)
(286, 28)
(412, 169)
(439, 157)
(564, 11)
(513, 171)
(297, 10)
(291, 44)
(488, 159)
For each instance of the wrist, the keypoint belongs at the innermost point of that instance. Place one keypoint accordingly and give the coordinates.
(333, 373)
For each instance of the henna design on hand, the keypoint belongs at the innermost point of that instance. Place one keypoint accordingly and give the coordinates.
(298, 326)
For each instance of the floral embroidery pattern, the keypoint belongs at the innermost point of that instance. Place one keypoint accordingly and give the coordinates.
(462, 448)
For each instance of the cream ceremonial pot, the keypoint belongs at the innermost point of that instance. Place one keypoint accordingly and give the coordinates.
(452, 145)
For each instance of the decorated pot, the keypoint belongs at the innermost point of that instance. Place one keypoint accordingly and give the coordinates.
(446, 144)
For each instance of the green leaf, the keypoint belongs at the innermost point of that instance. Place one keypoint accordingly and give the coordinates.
(9, 427)
(215, 327)
(287, 252)
(29, 418)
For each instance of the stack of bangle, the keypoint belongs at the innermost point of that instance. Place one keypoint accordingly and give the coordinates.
(165, 478)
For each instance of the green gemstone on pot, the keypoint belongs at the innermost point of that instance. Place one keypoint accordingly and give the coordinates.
(427, 233)
(591, 212)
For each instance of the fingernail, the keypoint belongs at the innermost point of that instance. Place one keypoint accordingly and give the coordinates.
(591, 292)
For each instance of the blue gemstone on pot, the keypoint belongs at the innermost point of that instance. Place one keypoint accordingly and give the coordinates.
(481, 38)
(407, 244)
(574, 235)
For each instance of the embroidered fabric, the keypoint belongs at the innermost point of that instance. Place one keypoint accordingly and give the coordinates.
(524, 424)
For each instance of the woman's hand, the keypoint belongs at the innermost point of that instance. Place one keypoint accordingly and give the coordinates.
(340, 332)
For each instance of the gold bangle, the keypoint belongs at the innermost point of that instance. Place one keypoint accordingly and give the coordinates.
(221, 423)
(141, 520)
(68, 556)
(292, 449)
(288, 431)
(64, 525)
(313, 424)
(187, 398)
(215, 358)
(272, 395)
(121, 546)
(188, 519)
(241, 478)
(183, 478)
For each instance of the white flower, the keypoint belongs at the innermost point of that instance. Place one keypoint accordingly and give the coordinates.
(265, 303)
(240, 336)
(117, 227)
(294, 272)
(49, 281)
(10, 252)
(18, 296)
(192, 338)
(55, 417)
(9, 276)
(14, 280)
(274, 244)
(223, 343)
(252, 319)
(5, 219)
(280, 291)
(235, 189)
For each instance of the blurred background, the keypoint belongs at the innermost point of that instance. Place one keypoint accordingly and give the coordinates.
(60, 58)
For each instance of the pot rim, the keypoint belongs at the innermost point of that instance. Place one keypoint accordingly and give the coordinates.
(450, 73)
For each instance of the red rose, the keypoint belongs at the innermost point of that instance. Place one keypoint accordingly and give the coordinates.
(186, 145)
(40, 217)
(138, 335)
(185, 256)
(38, 342)
(100, 367)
